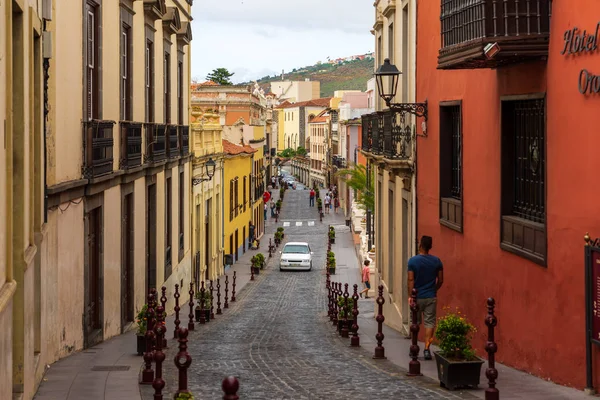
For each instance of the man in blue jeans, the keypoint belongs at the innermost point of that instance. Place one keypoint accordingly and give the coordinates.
(426, 274)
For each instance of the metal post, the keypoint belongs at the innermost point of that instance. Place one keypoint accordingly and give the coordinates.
(414, 366)
(191, 323)
(379, 350)
(148, 373)
(230, 387)
(355, 341)
(345, 323)
(212, 303)
(335, 304)
(218, 297)
(491, 393)
(226, 305)
(159, 356)
(177, 321)
(233, 287)
(163, 302)
(202, 312)
(182, 361)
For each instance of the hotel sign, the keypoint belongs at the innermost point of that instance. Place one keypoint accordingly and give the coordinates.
(581, 42)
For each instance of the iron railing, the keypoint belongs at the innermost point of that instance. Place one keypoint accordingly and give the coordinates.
(131, 145)
(172, 141)
(388, 133)
(97, 148)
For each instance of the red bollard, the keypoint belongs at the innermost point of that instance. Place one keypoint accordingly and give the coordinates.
(230, 388)
(414, 366)
(251, 273)
(270, 255)
(379, 350)
(233, 287)
(355, 341)
(177, 321)
(328, 285)
(202, 313)
(212, 303)
(218, 297)
(226, 305)
(491, 393)
(191, 323)
(321, 217)
(182, 361)
(148, 372)
(335, 304)
(159, 356)
(163, 302)
(344, 331)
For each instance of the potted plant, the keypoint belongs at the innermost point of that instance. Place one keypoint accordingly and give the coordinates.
(331, 262)
(207, 303)
(343, 311)
(278, 237)
(319, 204)
(457, 364)
(255, 260)
(280, 229)
(184, 396)
(331, 234)
(278, 205)
(260, 260)
(142, 324)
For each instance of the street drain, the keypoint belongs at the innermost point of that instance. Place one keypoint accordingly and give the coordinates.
(110, 368)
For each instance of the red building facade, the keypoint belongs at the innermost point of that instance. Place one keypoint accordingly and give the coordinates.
(506, 181)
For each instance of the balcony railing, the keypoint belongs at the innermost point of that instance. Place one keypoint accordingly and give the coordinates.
(387, 133)
(131, 144)
(184, 133)
(520, 28)
(97, 148)
(172, 141)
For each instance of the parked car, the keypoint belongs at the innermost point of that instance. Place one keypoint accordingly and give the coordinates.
(296, 256)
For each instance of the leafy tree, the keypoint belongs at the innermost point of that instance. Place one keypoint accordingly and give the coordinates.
(301, 151)
(355, 176)
(287, 153)
(220, 76)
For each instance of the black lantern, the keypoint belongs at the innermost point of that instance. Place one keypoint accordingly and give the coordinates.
(387, 76)
(210, 166)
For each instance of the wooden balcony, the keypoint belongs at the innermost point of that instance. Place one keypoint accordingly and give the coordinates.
(155, 142)
(184, 134)
(172, 141)
(131, 144)
(97, 148)
(516, 31)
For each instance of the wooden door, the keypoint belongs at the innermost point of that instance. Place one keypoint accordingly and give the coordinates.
(93, 276)
(231, 245)
(151, 239)
(127, 246)
(244, 239)
(237, 244)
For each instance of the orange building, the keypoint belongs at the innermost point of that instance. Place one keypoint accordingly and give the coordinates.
(507, 173)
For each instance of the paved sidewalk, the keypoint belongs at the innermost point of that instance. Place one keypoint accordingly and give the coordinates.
(513, 384)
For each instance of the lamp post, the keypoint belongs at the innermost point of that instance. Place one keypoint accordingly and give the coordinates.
(210, 166)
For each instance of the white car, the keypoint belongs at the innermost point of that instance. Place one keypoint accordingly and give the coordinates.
(296, 256)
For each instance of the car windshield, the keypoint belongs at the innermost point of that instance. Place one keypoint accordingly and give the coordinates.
(296, 249)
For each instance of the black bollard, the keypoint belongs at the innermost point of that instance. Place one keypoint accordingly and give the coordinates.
(202, 313)
(414, 366)
(218, 297)
(159, 356)
(355, 341)
(163, 302)
(233, 287)
(230, 388)
(335, 304)
(379, 350)
(182, 362)
(212, 303)
(191, 323)
(491, 393)
(251, 273)
(344, 331)
(177, 321)
(328, 284)
(226, 304)
(270, 249)
(148, 372)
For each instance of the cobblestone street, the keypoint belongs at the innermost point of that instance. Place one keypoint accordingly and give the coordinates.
(276, 338)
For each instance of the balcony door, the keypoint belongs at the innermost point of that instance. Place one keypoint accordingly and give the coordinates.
(151, 238)
(127, 248)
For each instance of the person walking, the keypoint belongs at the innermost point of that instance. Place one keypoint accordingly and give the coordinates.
(311, 201)
(327, 203)
(336, 204)
(366, 274)
(272, 208)
(426, 274)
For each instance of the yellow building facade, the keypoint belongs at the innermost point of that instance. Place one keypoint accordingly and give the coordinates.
(207, 210)
(23, 237)
(237, 197)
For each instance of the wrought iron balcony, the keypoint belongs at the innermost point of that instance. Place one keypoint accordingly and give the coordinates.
(155, 142)
(172, 141)
(131, 144)
(184, 132)
(491, 33)
(97, 148)
(388, 134)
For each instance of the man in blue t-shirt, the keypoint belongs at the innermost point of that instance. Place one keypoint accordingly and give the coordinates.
(426, 274)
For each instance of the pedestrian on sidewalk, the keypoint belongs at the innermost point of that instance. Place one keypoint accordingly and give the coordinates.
(336, 204)
(426, 274)
(266, 211)
(366, 274)
(272, 208)
(311, 201)
(327, 203)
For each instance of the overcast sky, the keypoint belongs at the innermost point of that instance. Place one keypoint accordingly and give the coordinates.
(254, 38)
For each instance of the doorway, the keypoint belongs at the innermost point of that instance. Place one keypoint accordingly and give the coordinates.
(151, 239)
(94, 294)
(127, 248)
(231, 244)
(244, 239)
(237, 244)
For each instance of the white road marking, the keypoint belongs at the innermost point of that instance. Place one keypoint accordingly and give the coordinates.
(298, 223)
(311, 223)
(286, 224)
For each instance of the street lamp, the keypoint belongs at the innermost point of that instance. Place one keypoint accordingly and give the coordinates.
(388, 71)
(210, 166)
